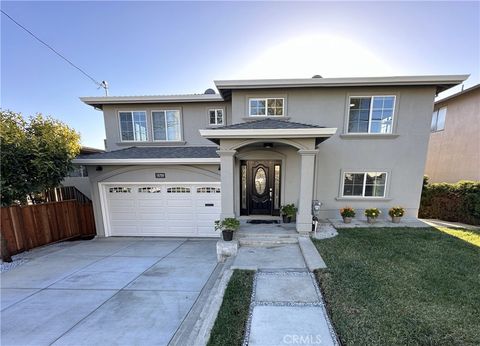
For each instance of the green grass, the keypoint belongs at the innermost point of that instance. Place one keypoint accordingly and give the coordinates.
(229, 327)
(401, 286)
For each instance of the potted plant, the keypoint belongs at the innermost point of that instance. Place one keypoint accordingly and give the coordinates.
(372, 214)
(288, 211)
(396, 214)
(227, 226)
(347, 213)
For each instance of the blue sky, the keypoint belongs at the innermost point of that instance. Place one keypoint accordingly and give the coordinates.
(144, 48)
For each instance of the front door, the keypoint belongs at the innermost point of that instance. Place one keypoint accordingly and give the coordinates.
(260, 187)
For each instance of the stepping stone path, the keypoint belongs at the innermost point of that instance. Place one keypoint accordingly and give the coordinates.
(287, 309)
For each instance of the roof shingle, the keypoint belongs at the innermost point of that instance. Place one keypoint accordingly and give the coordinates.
(156, 153)
(267, 124)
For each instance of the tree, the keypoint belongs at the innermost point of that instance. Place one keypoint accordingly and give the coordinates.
(36, 154)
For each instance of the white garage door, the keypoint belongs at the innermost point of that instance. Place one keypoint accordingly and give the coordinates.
(154, 209)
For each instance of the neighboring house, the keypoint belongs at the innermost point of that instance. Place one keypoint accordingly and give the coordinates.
(454, 147)
(174, 164)
(78, 177)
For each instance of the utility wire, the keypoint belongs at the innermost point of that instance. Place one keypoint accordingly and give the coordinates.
(101, 85)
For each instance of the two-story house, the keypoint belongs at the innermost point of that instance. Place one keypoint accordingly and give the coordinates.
(174, 164)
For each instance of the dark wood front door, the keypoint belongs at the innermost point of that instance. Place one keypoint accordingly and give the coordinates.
(260, 187)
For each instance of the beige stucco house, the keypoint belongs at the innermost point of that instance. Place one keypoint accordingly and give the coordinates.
(174, 164)
(454, 147)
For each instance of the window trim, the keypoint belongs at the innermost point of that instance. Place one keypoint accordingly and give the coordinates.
(120, 126)
(342, 187)
(437, 112)
(266, 107)
(180, 125)
(216, 109)
(370, 114)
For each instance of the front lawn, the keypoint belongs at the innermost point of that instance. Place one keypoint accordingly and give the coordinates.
(402, 286)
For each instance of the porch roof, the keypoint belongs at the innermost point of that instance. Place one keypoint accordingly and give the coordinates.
(269, 129)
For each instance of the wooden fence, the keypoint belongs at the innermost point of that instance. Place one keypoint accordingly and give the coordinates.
(27, 227)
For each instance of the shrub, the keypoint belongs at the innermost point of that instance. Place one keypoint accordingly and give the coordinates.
(396, 212)
(347, 212)
(289, 210)
(372, 212)
(227, 224)
(451, 202)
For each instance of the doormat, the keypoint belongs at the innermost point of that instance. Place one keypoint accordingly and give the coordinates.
(257, 222)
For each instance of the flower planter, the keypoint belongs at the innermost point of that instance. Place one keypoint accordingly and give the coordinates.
(396, 219)
(347, 219)
(371, 219)
(227, 235)
(286, 219)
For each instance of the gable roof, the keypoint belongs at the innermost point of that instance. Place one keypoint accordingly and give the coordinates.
(267, 124)
(145, 155)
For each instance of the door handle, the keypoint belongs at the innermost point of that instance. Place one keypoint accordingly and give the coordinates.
(270, 194)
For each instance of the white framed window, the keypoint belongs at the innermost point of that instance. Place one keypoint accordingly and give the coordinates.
(166, 125)
(178, 189)
(149, 189)
(364, 184)
(215, 116)
(271, 107)
(438, 119)
(208, 189)
(120, 189)
(371, 114)
(133, 126)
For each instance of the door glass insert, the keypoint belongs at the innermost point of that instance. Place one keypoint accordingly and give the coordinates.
(260, 181)
(276, 200)
(244, 186)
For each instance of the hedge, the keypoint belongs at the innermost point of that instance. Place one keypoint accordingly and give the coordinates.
(458, 202)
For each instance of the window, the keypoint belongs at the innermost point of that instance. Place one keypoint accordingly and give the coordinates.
(166, 125)
(438, 119)
(366, 184)
(215, 116)
(371, 114)
(120, 189)
(149, 189)
(266, 107)
(178, 189)
(78, 171)
(208, 190)
(133, 126)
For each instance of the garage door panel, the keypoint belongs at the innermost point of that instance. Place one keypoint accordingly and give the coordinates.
(152, 209)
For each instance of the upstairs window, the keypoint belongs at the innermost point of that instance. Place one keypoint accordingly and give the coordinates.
(364, 184)
(133, 126)
(438, 119)
(371, 114)
(166, 125)
(272, 107)
(215, 116)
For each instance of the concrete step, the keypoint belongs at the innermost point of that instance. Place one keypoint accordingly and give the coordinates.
(266, 241)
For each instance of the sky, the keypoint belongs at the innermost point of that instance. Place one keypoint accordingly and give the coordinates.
(151, 48)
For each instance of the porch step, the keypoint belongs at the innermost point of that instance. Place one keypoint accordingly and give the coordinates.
(266, 241)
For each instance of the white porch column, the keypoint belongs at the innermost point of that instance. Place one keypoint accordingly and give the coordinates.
(227, 167)
(307, 170)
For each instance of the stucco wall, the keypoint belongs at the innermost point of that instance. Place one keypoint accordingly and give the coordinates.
(81, 183)
(194, 116)
(401, 155)
(173, 173)
(454, 153)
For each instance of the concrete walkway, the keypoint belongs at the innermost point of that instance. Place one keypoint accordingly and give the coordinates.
(287, 306)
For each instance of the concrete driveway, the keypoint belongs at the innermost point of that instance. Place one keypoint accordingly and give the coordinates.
(122, 291)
